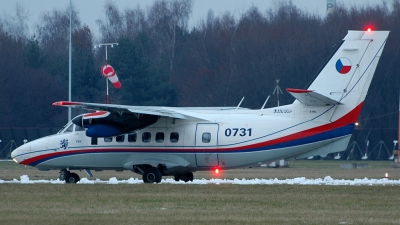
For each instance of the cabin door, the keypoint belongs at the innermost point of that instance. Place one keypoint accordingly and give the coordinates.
(207, 136)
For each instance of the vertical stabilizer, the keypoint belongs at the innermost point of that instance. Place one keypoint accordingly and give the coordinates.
(347, 76)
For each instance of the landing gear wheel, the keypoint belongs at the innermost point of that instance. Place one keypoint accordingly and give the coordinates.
(72, 178)
(185, 177)
(152, 175)
(189, 176)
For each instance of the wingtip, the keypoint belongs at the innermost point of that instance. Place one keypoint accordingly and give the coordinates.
(64, 103)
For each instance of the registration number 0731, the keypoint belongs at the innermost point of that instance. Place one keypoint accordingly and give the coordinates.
(237, 131)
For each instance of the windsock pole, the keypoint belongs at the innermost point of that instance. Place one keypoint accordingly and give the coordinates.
(112, 45)
(107, 97)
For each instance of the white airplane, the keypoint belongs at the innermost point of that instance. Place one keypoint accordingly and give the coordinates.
(176, 141)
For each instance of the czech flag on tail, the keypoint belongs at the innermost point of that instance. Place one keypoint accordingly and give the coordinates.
(109, 72)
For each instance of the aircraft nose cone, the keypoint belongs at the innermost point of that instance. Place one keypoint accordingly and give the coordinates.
(17, 153)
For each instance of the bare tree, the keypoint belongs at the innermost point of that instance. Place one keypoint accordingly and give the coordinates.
(16, 25)
(166, 19)
(113, 27)
(135, 22)
(53, 33)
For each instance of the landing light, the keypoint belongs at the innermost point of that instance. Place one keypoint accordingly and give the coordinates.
(15, 160)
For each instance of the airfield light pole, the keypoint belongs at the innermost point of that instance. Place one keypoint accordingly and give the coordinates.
(112, 46)
(277, 90)
(70, 58)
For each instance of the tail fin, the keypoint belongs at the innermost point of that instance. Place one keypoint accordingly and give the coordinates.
(345, 79)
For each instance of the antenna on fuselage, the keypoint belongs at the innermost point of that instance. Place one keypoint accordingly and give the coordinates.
(277, 90)
(239, 103)
(262, 107)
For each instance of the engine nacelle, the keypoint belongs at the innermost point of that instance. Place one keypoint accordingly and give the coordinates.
(108, 124)
(101, 130)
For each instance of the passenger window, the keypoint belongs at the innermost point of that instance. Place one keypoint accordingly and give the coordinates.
(206, 138)
(108, 139)
(79, 128)
(160, 137)
(174, 137)
(120, 138)
(69, 129)
(132, 137)
(146, 137)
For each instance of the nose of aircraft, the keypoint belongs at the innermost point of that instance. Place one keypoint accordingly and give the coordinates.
(16, 155)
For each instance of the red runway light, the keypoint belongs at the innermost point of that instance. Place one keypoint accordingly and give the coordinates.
(216, 171)
(369, 29)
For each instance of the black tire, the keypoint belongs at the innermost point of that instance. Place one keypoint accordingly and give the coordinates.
(185, 177)
(152, 175)
(189, 176)
(72, 178)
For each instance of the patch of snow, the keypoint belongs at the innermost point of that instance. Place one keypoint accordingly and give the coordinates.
(24, 179)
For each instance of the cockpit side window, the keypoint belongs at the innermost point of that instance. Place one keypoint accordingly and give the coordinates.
(79, 128)
(69, 129)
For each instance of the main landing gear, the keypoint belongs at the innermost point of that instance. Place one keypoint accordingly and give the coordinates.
(185, 177)
(154, 175)
(68, 176)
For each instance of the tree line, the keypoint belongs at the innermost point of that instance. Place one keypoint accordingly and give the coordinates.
(161, 61)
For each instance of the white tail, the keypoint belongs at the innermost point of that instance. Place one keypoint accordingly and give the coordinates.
(344, 81)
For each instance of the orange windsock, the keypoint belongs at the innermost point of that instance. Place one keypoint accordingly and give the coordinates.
(109, 72)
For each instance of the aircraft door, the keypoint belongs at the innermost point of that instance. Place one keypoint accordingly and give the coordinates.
(207, 135)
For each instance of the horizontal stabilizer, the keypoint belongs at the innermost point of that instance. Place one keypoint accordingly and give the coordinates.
(311, 98)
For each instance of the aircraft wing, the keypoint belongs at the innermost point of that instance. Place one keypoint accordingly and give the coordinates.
(311, 98)
(149, 110)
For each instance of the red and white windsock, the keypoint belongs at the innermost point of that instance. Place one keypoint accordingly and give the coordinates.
(109, 72)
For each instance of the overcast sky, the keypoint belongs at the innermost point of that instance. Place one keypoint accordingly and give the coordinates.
(91, 10)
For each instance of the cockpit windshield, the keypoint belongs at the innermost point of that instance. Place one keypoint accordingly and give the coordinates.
(66, 126)
(70, 127)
